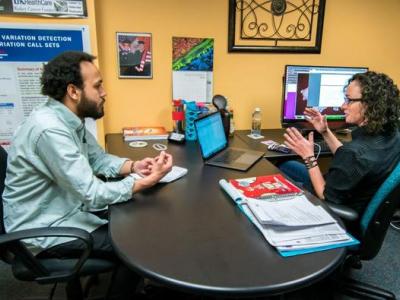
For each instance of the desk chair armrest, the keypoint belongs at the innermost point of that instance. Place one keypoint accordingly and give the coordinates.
(46, 232)
(10, 240)
(345, 213)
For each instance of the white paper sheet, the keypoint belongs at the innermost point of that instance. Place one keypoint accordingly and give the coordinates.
(192, 85)
(174, 174)
(297, 211)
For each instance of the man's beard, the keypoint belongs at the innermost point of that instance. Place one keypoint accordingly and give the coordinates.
(88, 109)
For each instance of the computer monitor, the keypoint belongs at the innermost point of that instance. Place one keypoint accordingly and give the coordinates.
(320, 87)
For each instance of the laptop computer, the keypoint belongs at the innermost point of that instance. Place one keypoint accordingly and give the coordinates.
(214, 145)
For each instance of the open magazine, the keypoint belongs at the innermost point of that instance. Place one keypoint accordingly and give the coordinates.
(266, 187)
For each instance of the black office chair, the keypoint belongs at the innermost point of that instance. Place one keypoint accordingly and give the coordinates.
(220, 103)
(27, 267)
(395, 223)
(371, 230)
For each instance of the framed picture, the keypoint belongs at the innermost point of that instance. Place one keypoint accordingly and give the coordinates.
(279, 26)
(134, 55)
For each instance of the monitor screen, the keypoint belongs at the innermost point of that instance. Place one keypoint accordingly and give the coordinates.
(320, 87)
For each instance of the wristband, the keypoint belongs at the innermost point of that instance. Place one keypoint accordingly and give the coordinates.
(311, 165)
(310, 162)
(309, 159)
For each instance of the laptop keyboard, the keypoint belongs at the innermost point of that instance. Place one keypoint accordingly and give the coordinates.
(228, 156)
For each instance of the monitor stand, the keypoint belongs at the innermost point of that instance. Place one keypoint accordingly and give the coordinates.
(344, 130)
(305, 128)
(306, 131)
(339, 133)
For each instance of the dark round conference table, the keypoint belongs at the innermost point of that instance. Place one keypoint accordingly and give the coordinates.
(190, 236)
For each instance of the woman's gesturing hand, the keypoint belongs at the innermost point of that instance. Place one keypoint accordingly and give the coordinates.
(300, 145)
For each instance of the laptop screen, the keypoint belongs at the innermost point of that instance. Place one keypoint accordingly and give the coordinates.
(210, 134)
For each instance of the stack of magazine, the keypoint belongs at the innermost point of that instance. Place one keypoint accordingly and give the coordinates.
(285, 217)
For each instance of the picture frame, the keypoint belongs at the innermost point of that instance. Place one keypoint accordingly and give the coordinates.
(134, 55)
(279, 26)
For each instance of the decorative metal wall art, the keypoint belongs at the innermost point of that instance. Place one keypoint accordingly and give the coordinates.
(283, 26)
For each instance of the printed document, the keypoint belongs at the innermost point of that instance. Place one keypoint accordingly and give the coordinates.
(297, 211)
(175, 173)
(289, 238)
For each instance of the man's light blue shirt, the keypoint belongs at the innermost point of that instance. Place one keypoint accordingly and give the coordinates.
(51, 175)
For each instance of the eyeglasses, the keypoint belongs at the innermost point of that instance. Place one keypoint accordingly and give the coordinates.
(349, 101)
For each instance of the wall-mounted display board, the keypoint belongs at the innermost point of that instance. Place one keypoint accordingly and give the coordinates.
(24, 48)
(45, 8)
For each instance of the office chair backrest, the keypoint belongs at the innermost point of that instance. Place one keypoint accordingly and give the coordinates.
(5, 255)
(376, 218)
(3, 167)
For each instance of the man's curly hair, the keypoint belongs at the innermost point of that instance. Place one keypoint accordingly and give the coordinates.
(381, 96)
(62, 70)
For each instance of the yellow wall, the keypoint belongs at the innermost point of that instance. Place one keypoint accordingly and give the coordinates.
(90, 21)
(356, 33)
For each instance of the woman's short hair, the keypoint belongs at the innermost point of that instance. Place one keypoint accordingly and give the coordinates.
(61, 71)
(382, 102)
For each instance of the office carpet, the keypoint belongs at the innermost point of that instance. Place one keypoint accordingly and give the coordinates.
(383, 271)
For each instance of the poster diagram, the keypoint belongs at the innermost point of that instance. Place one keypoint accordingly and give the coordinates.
(24, 48)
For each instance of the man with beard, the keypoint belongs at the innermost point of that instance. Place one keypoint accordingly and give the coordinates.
(54, 162)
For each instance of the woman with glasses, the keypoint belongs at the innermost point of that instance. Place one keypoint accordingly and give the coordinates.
(359, 167)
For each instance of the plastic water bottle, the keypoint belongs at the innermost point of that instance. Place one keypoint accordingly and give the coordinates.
(256, 122)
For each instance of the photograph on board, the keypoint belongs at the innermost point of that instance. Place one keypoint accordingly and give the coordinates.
(134, 55)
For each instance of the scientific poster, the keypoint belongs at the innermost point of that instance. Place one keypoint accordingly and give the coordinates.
(192, 65)
(24, 48)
